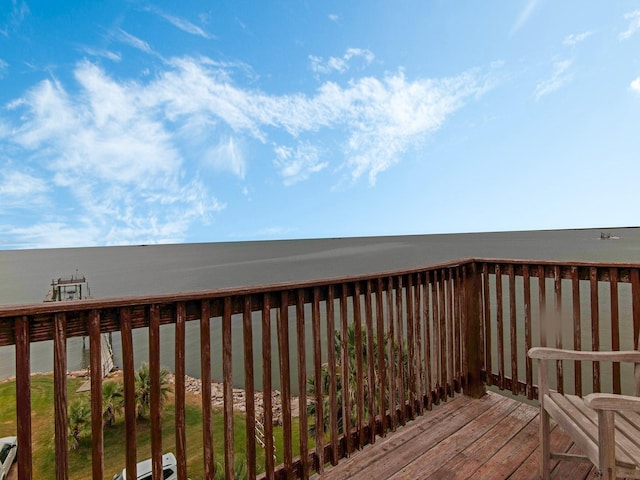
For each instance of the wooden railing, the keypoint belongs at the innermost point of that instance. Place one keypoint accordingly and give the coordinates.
(377, 349)
(578, 305)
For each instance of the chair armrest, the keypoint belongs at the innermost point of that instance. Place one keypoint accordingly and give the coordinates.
(610, 401)
(547, 353)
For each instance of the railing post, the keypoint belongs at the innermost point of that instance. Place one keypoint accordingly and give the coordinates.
(23, 396)
(474, 386)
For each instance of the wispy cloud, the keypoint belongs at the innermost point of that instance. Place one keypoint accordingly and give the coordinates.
(634, 25)
(334, 17)
(299, 163)
(560, 77)
(524, 15)
(3, 67)
(133, 41)
(635, 85)
(181, 23)
(340, 64)
(575, 38)
(129, 152)
(114, 156)
(108, 54)
(18, 189)
(19, 11)
(227, 156)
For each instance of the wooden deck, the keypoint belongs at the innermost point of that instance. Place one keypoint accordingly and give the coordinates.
(491, 438)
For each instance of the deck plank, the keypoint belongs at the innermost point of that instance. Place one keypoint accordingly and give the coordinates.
(466, 463)
(440, 435)
(492, 438)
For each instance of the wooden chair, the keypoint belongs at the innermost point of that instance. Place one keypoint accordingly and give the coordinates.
(606, 427)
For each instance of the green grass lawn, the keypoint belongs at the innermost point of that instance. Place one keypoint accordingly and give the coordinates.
(114, 446)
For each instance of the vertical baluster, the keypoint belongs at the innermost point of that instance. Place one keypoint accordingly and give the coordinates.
(442, 287)
(437, 380)
(205, 369)
(154, 380)
(577, 330)
(371, 358)
(635, 295)
(402, 381)
(542, 300)
(464, 292)
(302, 382)
(526, 282)
(357, 324)
(317, 368)
(448, 288)
(23, 396)
(333, 390)
(427, 340)
(60, 394)
(181, 432)
(557, 289)
(128, 366)
(513, 332)
(382, 383)
(391, 354)
(500, 330)
(267, 388)
(247, 336)
(227, 389)
(344, 345)
(457, 321)
(615, 327)
(411, 347)
(595, 325)
(97, 439)
(417, 312)
(487, 323)
(285, 380)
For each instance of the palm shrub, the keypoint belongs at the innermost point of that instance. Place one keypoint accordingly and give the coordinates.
(78, 419)
(142, 380)
(352, 380)
(112, 401)
(240, 470)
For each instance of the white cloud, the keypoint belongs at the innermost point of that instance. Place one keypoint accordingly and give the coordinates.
(228, 155)
(524, 16)
(574, 38)
(51, 235)
(297, 164)
(108, 54)
(561, 76)
(340, 64)
(126, 152)
(634, 24)
(333, 17)
(635, 85)
(18, 189)
(183, 24)
(134, 41)
(3, 67)
(112, 156)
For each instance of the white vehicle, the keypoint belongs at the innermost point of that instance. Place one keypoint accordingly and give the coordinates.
(8, 449)
(143, 469)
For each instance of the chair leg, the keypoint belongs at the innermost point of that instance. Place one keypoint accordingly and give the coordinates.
(545, 444)
(606, 445)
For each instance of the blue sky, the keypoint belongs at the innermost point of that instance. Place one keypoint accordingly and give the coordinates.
(130, 122)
